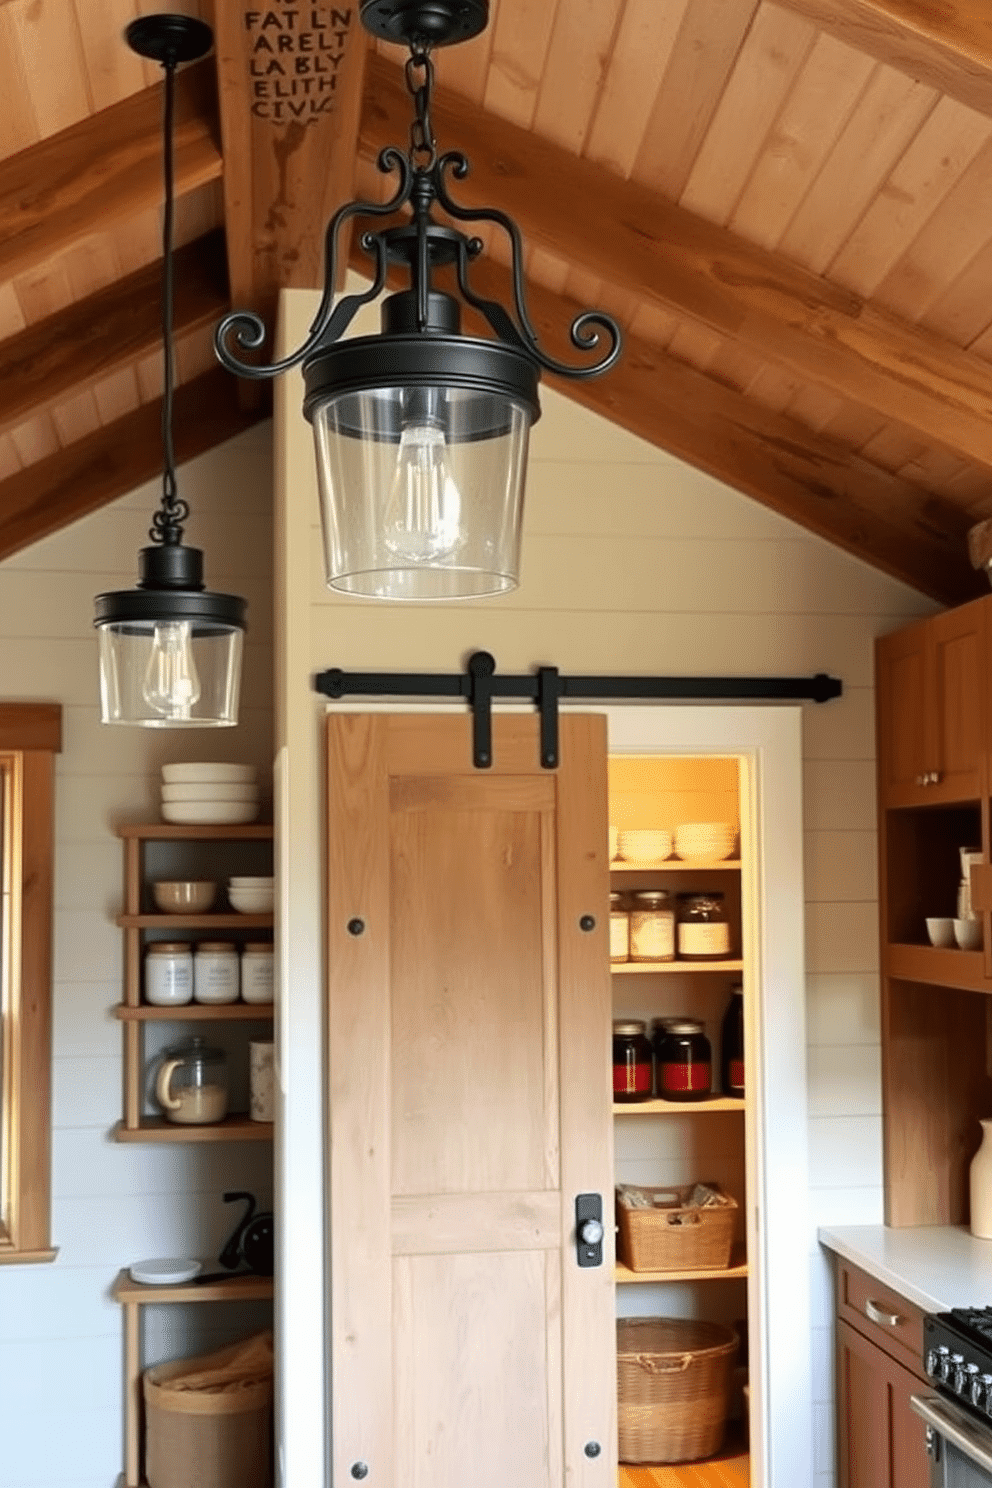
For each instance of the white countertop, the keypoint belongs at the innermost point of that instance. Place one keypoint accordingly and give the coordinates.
(937, 1268)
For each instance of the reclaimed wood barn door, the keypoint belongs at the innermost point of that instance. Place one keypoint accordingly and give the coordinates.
(469, 1104)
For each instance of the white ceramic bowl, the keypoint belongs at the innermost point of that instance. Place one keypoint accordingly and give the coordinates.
(200, 813)
(941, 931)
(204, 791)
(968, 934)
(252, 901)
(251, 883)
(199, 774)
(644, 845)
(184, 896)
(705, 841)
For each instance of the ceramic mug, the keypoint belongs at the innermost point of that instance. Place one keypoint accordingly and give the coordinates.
(262, 1080)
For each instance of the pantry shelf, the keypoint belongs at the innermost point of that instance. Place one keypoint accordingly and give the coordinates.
(674, 865)
(737, 1270)
(157, 1129)
(195, 1012)
(714, 1104)
(231, 921)
(673, 968)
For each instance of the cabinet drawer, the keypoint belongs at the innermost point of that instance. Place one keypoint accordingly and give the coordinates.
(881, 1315)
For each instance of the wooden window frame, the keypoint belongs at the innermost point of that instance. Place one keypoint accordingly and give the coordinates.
(30, 737)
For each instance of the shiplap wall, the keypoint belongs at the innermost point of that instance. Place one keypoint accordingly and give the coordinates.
(60, 1334)
(632, 562)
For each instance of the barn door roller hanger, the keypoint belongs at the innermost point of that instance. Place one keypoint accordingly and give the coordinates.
(546, 687)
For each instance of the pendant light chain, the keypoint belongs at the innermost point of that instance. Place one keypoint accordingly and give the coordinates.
(423, 145)
(167, 523)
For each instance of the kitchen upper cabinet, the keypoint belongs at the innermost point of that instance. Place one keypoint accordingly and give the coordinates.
(932, 714)
(469, 1105)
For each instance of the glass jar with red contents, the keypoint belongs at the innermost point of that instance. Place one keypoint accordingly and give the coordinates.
(632, 1061)
(684, 1060)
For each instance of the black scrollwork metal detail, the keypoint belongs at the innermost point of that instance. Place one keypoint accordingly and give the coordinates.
(248, 330)
(585, 329)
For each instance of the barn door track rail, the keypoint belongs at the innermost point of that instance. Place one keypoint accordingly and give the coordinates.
(546, 687)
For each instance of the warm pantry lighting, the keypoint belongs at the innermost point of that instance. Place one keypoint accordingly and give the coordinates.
(170, 651)
(421, 433)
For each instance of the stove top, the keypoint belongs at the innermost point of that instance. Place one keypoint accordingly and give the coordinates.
(957, 1357)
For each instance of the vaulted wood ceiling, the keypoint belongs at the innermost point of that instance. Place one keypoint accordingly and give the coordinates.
(787, 206)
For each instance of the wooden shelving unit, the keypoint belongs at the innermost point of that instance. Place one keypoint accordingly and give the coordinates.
(132, 1296)
(138, 923)
(676, 865)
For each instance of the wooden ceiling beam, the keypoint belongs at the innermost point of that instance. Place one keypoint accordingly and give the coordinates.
(92, 338)
(649, 247)
(114, 460)
(290, 86)
(80, 181)
(948, 45)
(897, 527)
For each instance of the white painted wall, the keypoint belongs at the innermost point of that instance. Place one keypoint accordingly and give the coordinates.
(60, 1335)
(632, 562)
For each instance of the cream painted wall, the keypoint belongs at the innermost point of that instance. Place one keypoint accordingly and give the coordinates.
(632, 562)
(60, 1334)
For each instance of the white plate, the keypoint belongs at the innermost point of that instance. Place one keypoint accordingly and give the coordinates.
(203, 790)
(224, 813)
(180, 774)
(165, 1272)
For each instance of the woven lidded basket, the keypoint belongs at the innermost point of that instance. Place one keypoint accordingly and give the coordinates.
(673, 1382)
(672, 1236)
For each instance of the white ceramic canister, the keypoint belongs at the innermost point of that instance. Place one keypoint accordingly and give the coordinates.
(215, 972)
(980, 1186)
(169, 973)
(257, 972)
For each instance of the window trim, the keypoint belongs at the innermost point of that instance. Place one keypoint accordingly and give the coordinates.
(30, 736)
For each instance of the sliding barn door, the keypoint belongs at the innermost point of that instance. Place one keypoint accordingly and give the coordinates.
(469, 1103)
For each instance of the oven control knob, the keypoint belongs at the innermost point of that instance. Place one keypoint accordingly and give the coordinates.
(936, 1361)
(969, 1382)
(986, 1393)
(980, 1389)
(956, 1377)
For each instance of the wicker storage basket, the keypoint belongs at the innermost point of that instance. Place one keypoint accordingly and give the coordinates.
(209, 1420)
(671, 1237)
(673, 1380)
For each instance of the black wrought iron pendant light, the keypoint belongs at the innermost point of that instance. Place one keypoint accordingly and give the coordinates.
(421, 433)
(170, 651)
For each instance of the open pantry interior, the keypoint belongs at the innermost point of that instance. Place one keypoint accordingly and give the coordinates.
(677, 1143)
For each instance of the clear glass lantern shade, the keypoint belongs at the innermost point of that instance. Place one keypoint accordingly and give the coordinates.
(170, 673)
(421, 491)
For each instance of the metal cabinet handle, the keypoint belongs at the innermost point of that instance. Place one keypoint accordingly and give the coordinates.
(876, 1314)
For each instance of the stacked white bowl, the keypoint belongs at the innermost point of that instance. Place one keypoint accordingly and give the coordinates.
(703, 842)
(251, 895)
(206, 792)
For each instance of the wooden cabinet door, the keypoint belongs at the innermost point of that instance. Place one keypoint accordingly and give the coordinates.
(903, 718)
(880, 1442)
(959, 688)
(469, 1104)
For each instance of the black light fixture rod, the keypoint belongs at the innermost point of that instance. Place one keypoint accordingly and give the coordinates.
(169, 492)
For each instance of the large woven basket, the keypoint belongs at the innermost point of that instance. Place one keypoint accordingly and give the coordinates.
(672, 1237)
(673, 1381)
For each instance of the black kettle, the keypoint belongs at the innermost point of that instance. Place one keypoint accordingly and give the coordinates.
(253, 1241)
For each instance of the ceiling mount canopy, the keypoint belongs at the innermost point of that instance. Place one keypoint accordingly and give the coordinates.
(170, 651)
(421, 432)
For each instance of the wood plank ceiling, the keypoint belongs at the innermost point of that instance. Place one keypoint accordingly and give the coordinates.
(788, 207)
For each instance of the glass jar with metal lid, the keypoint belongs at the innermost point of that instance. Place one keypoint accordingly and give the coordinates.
(652, 926)
(703, 930)
(632, 1061)
(619, 928)
(684, 1060)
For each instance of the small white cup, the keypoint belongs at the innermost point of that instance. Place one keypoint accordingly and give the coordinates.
(262, 1080)
(941, 931)
(968, 934)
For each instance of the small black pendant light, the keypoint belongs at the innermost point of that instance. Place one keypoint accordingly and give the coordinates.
(421, 433)
(170, 651)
